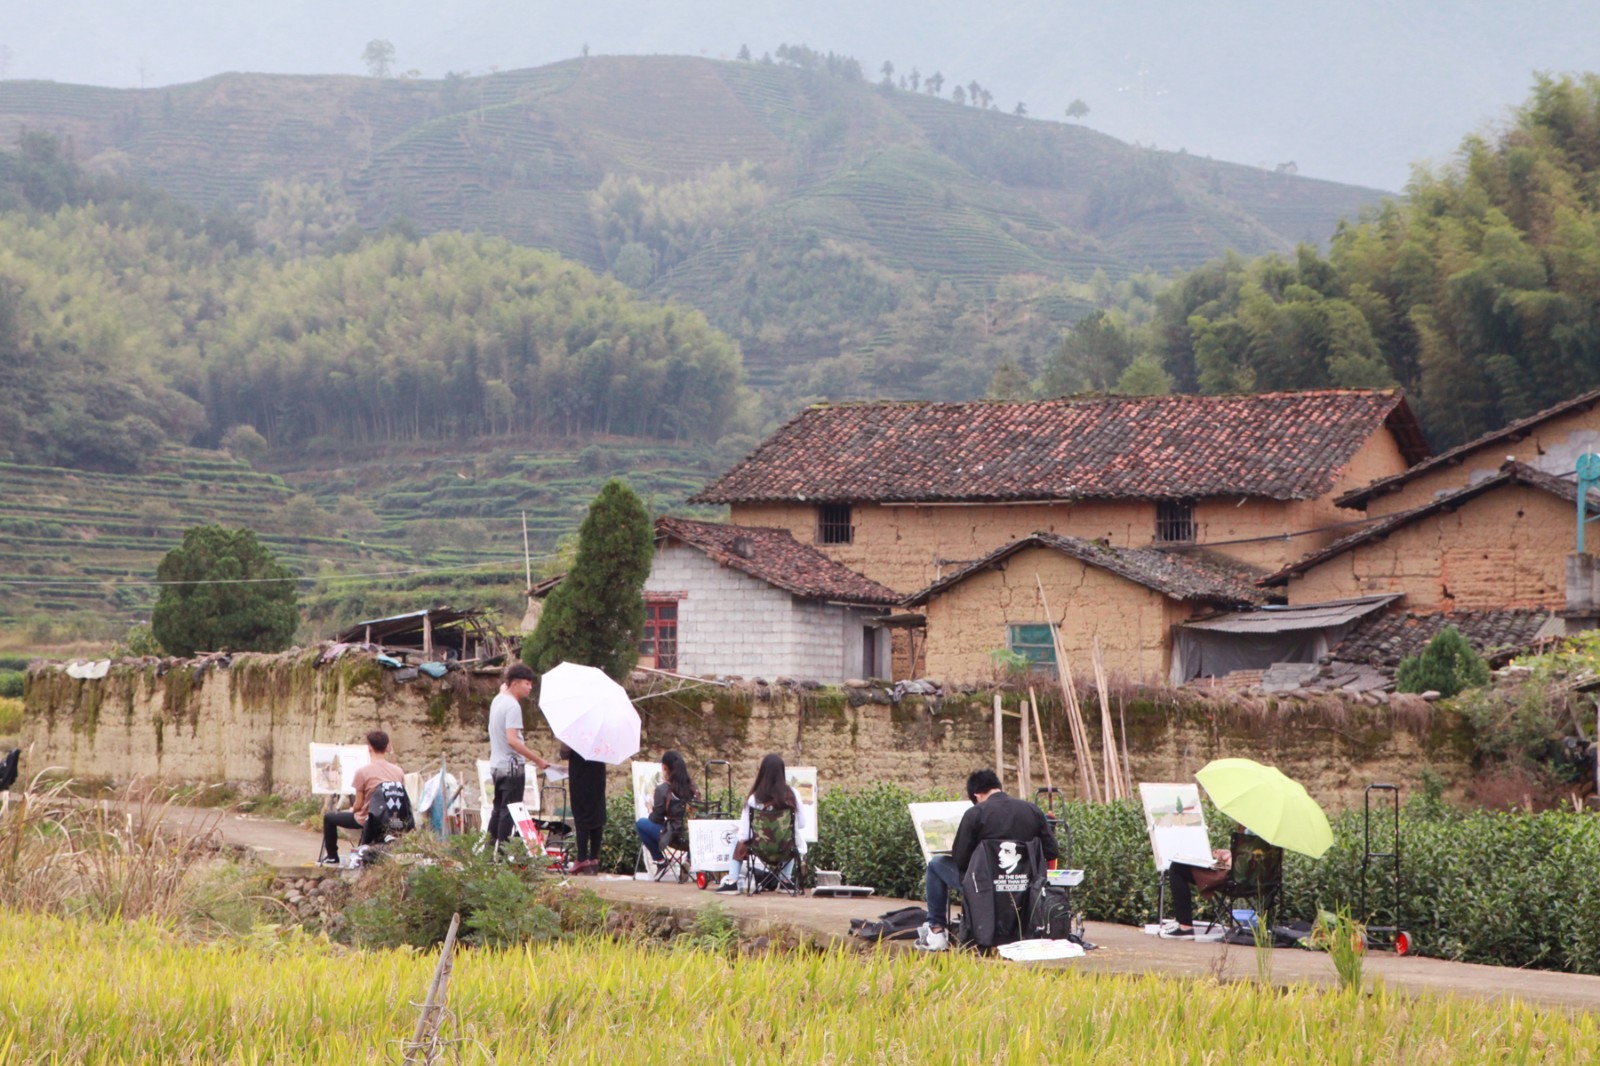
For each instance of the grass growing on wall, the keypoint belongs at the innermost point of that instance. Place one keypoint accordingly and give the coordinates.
(75, 991)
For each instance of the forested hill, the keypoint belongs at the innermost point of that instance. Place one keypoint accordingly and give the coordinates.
(130, 323)
(888, 240)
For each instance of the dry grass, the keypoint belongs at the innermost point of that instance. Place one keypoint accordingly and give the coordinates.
(130, 857)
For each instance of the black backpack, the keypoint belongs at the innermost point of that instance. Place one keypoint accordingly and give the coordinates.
(893, 925)
(1052, 914)
(389, 808)
(8, 769)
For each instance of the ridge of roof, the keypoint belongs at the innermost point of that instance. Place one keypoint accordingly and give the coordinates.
(1511, 472)
(774, 556)
(1174, 575)
(1513, 431)
(1281, 445)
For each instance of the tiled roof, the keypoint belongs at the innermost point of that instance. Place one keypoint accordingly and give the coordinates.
(1169, 573)
(1511, 473)
(1382, 640)
(1284, 445)
(774, 556)
(1511, 433)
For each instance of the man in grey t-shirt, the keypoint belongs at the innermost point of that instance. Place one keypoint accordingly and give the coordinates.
(507, 752)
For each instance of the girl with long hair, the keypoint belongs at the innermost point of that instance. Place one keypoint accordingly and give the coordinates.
(770, 797)
(670, 807)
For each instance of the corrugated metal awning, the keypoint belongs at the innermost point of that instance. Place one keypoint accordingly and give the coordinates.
(1288, 619)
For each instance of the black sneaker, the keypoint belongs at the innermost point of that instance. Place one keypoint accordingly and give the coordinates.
(331, 860)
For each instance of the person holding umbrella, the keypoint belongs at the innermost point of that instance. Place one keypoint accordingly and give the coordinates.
(507, 752)
(597, 724)
(1278, 810)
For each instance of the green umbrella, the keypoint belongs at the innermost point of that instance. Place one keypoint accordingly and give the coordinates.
(1271, 805)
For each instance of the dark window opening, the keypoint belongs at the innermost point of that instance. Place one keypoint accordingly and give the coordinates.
(833, 524)
(1035, 644)
(1175, 522)
(658, 647)
(869, 651)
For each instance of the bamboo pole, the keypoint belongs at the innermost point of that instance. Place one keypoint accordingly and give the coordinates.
(1087, 781)
(424, 1045)
(1025, 760)
(1044, 748)
(1127, 765)
(1114, 786)
(999, 741)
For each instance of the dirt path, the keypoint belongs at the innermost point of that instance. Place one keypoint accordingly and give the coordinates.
(1121, 948)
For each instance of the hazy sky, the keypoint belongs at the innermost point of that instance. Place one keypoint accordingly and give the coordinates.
(1356, 91)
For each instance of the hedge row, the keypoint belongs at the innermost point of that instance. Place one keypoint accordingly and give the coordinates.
(1503, 888)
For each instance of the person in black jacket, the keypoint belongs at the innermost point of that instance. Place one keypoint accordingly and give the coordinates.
(993, 816)
(670, 806)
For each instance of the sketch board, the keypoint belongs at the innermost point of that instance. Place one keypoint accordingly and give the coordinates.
(334, 766)
(803, 779)
(711, 842)
(1176, 824)
(646, 776)
(530, 794)
(936, 825)
(527, 829)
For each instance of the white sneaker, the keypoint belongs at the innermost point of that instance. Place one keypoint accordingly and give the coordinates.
(929, 940)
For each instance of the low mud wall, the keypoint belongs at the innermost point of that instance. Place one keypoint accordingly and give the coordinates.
(247, 722)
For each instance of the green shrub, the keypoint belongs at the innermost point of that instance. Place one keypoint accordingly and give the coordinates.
(1446, 666)
(412, 905)
(10, 716)
(11, 682)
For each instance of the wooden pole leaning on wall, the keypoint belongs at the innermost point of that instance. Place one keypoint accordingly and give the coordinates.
(1115, 788)
(423, 1047)
(1024, 758)
(1087, 781)
(1044, 748)
(999, 741)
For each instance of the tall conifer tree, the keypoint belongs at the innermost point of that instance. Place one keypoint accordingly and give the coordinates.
(595, 617)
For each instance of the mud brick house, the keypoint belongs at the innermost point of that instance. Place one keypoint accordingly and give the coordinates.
(1497, 543)
(1128, 598)
(753, 602)
(907, 493)
(1550, 441)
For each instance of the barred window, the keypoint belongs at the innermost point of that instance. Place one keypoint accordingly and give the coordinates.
(1035, 644)
(834, 525)
(1175, 522)
(658, 647)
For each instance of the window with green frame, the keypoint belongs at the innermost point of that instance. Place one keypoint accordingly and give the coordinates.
(1034, 644)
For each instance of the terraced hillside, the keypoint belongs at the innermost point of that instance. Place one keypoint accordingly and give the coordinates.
(388, 532)
(916, 188)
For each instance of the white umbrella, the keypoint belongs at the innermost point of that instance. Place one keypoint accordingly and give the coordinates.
(589, 713)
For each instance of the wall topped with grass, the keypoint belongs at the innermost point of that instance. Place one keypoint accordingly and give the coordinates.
(246, 721)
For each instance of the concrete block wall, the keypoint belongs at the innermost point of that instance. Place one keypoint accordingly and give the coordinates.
(732, 623)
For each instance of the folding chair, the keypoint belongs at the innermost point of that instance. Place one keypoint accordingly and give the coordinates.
(674, 851)
(774, 862)
(1255, 879)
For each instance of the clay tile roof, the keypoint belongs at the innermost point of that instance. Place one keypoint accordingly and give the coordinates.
(773, 556)
(1382, 640)
(1510, 433)
(1511, 473)
(1285, 445)
(1176, 576)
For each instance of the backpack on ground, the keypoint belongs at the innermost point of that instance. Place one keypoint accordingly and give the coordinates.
(893, 925)
(1051, 918)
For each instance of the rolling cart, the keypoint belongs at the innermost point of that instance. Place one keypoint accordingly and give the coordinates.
(714, 806)
(1384, 866)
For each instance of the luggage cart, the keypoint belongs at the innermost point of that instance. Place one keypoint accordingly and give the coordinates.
(1053, 802)
(1385, 864)
(713, 807)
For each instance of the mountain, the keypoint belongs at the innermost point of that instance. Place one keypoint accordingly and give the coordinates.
(810, 214)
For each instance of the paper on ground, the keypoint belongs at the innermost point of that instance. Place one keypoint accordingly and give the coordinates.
(1040, 950)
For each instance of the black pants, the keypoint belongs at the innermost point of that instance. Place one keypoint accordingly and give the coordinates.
(586, 787)
(334, 821)
(1181, 876)
(508, 788)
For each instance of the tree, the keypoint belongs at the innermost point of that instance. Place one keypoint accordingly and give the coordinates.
(1092, 357)
(935, 83)
(916, 79)
(223, 590)
(1009, 382)
(959, 95)
(379, 58)
(888, 72)
(1021, 110)
(1077, 109)
(596, 615)
(1446, 666)
(744, 53)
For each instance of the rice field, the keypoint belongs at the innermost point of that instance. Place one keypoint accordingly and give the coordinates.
(83, 991)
